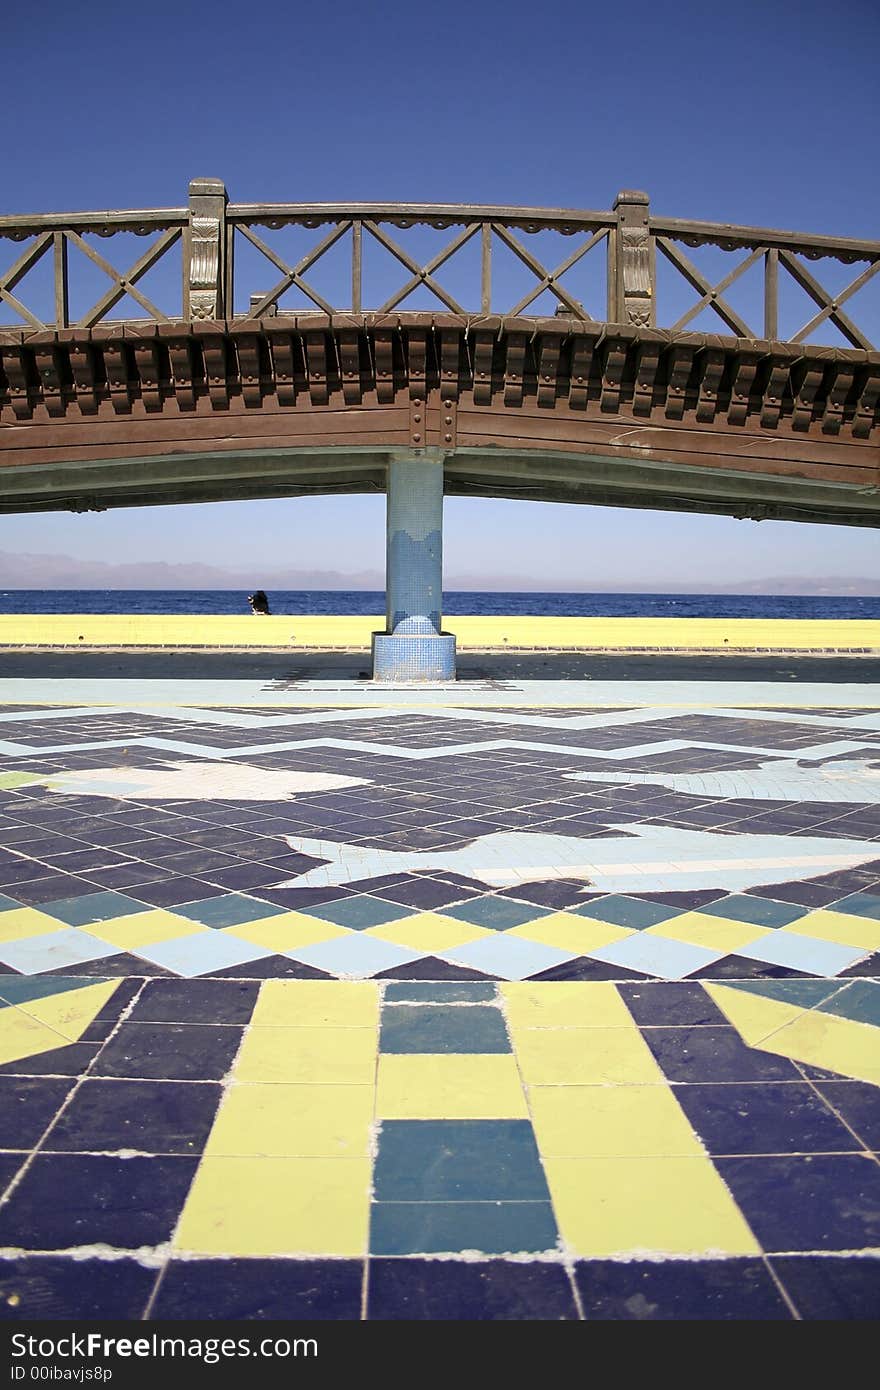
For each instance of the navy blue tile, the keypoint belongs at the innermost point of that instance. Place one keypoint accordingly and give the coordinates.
(714, 1054)
(432, 968)
(771, 1118)
(71, 1060)
(27, 1105)
(261, 1290)
(458, 1160)
(493, 1228)
(679, 1290)
(859, 1104)
(35, 1287)
(671, 1004)
(831, 1288)
(438, 1028)
(453, 1290)
(824, 1202)
(194, 1001)
(9, 1166)
(169, 1052)
(65, 1200)
(583, 968)
(170, 1117)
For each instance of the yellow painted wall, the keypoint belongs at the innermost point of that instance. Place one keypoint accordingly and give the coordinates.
(473, 633)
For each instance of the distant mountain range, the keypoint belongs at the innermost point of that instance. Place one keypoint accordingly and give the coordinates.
(67, 572)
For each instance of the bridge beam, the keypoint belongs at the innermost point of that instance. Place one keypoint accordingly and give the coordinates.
(413, 648)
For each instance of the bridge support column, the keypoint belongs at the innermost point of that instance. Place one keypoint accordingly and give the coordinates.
(413, 648)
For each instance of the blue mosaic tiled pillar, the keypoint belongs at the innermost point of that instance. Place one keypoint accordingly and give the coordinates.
(413, 648)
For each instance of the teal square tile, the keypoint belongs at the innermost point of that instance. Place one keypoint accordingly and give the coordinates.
(21, 989)
(439, 992)
(634, 913)
(8, 904)
(360, 912)
(859, 905)
(759, 912)
(228, 910)
(496, 914)
(490, 1228)
(859, 1002)
(92, 907)
(435, 1028)
(458, 1161)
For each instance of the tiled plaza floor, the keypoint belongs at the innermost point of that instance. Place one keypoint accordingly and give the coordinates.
(487, 1009)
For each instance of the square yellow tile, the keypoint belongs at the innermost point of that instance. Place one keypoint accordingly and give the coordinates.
(143, 929)
(311, 1056)
(568, 932)
(605, 1121)
(454, 1086)
(277, 1206)
(21, 922)
(715, 933)
(564, 1004)
(585, 1056)
(294, 1121)
(286, 930)
(428, 932)
(645, 1206)
(317, 1004)
(841, 927)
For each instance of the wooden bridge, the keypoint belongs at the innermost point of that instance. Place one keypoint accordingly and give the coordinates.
(232, 391)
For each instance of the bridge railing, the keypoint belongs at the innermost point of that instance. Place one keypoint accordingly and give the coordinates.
(208, 236)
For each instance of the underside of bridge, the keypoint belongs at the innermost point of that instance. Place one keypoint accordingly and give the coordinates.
(417, 405)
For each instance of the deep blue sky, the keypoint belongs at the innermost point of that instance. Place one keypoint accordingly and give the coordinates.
(762, 113)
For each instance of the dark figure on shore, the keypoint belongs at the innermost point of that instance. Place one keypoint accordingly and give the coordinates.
(258, 602)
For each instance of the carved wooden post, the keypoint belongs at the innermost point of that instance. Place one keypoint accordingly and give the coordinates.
(632, 276)
(204, 278)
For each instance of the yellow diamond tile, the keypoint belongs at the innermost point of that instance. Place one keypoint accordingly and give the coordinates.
(143, 929)
(568, 932)
(313, 1056)
(841, 927)
(277, 1206)
(286, 930)
(27, 921)
(71, 1011)
(294, 1121)
(716, 933)
(585, 1056)
(317, 1004)
(454, 1086)
(564, 1004)
(644, 1206)
(753, 1016)
(835, 1044)
(604, 1121)
(428, 932)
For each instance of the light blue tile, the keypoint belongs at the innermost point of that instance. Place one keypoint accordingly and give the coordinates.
(656, 955)
(803, 953)
(202, 953)
(56, 950)
(358, 955)
(511, 957)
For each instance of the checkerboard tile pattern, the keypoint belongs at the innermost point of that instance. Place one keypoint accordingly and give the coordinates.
(367, 1128)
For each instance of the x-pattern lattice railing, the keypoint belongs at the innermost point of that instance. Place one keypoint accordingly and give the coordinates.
(210, 228)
